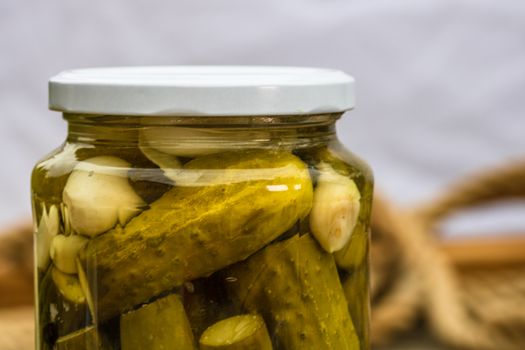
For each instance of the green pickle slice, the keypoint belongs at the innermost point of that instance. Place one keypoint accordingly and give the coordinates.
(224, 208)
(243, 332)
(294, 285)
(88, 338)
(162, 324)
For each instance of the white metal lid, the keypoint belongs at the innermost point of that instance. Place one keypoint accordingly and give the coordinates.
(202, 91)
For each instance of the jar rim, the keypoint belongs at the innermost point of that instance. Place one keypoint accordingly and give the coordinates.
(202, 91)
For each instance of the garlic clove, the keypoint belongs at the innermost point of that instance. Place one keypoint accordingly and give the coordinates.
(125, 213)
(64, 251)
(98, 195)
(181, 141)
(47, 229)
(335, 209)
(65, 219)
(168, 163)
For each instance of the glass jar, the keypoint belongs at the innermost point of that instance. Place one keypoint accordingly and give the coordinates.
(203, 207)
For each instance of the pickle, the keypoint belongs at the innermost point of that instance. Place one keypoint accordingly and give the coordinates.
(244, 332)
(85, 339)
(160, 325)
(294, 285)
(206, 302)
(235, 204)
(356, 289)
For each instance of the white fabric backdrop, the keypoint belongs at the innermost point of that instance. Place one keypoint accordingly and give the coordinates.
(441, 83)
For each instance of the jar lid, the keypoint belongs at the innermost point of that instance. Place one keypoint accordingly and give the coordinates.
(201, 91)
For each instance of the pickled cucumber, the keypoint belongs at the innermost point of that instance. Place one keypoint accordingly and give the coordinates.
(356, 289)
(85, 339)
(206, 302)
(236, 203)
(244, 332)
(295, 286)
(161, 324)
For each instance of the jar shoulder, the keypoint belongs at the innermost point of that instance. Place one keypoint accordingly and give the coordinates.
(50, 175)
(340, 158)
(344, 154)
(147, 167)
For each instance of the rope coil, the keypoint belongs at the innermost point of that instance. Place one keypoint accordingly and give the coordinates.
(482, 309)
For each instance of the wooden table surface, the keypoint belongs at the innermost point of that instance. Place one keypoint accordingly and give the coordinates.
(16, 328)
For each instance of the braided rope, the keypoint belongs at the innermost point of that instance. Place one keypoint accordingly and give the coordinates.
(398, 308)
(479, 315)
(504, 182)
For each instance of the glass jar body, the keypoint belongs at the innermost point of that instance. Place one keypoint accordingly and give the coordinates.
(149, 231)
